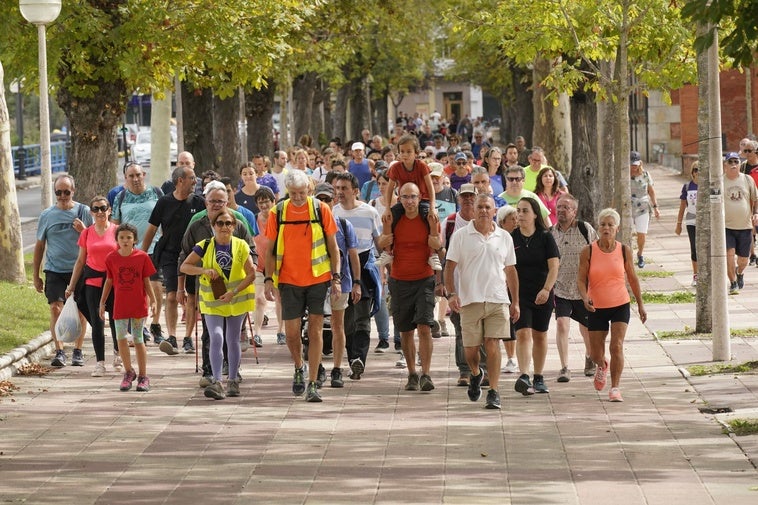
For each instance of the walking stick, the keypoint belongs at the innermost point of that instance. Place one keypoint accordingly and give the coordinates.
(197, 368)
(255, 347)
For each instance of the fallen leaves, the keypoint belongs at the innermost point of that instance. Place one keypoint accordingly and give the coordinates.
(34, 369)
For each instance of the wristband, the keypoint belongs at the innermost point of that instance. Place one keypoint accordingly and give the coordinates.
(356, 281)
(266, 279)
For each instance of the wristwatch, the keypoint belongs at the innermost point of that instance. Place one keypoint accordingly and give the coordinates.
(450, 295)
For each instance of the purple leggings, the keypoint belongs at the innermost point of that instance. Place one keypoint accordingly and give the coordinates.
(216, 331)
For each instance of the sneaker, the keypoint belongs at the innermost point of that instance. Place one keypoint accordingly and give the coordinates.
(281, 339)
(564, 375)
(601, 374)
(265, 321)
(434, 262)
(475, 386)
(215, 391)
(614, 395)
(400, 363)
(298, 383)
(126, 382)
(463, 380)
(76, 358)
(694, 281)
(205, 381)
(435, 327)
(589, 367)
(524, 385)
(336, 377)
(740, 281)
(425, 383)
(752, 260)
(398, 348)
(117, 363)
(539, 384)
(145, 335)
(244, 344)
(312, 394)
(233, 388)
(321, 377)
(157, 333)
(169, 346)
(187, 345)
(225, 368)
(640, 262)
(60, 359)
(733, 288)
(412, 384)
(143, 383)
(258, 341)
(357, 368)
(443, 328)
(510, 366)
(384, 259)
(493, 400)
(382, 347)
(99, 370)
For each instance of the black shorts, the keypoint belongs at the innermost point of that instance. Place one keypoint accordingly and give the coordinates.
(297, 299)
(170, 270)
(412, 303)
(158, 275)
(190, 284)
(740, 241)
(601, 319)
(55, 286)
(536, 317)
(571, 308)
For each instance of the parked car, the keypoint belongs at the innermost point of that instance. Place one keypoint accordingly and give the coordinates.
(141, 148)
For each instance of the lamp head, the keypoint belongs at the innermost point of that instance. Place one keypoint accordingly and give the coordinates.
(40, 12)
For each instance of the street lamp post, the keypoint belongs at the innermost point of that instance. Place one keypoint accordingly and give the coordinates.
(40, 13)
(21, 151)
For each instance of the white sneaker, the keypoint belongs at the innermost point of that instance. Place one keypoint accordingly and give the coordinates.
(99, 370)
(384, 259)
(694, 281)
(434, 262)
(117, 363)
(400, 363)
(510, 366)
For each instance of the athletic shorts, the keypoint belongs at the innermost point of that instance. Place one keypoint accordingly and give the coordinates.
(571, 308)
(55, 286)
(601, 319)
(740, 241)
(536, 317)
(412, 303)
(170, 270)
(297, 299)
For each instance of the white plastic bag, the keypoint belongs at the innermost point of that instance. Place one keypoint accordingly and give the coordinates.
(69, 326)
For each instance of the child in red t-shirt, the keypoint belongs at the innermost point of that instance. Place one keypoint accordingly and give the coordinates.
(408, 169)
(128, 272)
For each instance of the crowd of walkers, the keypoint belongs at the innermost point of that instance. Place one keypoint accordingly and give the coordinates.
(424, 227)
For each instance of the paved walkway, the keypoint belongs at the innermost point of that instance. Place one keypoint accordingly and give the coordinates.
(71, 438)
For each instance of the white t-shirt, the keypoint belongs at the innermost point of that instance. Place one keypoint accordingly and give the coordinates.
(366, 222)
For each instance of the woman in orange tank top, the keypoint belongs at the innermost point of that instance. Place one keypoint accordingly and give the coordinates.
(604, 267)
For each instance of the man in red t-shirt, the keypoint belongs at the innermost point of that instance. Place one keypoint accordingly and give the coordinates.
(412, 283)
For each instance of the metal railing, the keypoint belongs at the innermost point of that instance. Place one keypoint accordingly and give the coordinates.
(33, 158)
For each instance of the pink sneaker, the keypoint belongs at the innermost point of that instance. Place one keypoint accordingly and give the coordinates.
(601, 373)
(143, 383)
(614, 395)
(126, 383)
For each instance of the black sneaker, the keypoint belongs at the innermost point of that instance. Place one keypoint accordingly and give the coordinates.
(60, 359)
(321, 377)
(382, 347)
(539, 384)
(475, 386)
(169, 346)
(357, 367)
(337, 381)
(752, 260)
(145, 335)
(640, 262)
(425, 383)
(187, 345)
(493, 399)
(412, 384)
(436, 333)
(77, 359)
(740, 281)
(398, 347)
(524, 385)
(312, 394)
(298, 383)
(157, 332)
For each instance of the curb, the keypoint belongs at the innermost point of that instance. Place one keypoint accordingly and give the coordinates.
(34, 351)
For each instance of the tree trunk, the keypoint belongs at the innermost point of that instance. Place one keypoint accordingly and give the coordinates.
(518, 118)
(303, 89)
(340, 113)
(359, 115)
(317, 114)
(11, 248)
(620, 111)
(160, 140)
(93, 157)
(226, 138)
(605, 143)
(552, 125)
(197, 107)
(259, 109)
(584, 182)
(380, 119)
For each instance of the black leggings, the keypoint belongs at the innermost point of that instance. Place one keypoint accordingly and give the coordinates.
(92, 295)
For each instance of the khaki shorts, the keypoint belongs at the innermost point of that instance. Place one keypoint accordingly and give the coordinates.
(341, 302)
(484, 320)
(260, 286)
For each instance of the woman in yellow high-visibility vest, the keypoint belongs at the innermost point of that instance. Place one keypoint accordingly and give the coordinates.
(223, 258)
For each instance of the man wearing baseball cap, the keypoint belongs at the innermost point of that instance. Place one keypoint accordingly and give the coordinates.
(360, 166)
(740, 216)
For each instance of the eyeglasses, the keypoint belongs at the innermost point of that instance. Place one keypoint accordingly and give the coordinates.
(97, 209)
(217, 202)
(422, 156)
(325, 199)
(515, 179)
(227, 224)
(59, 192)
(731, 162)
(409, 197)
(460, 162)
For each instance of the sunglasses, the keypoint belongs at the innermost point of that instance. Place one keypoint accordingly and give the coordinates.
(97, 209)
(324, 199)
(59, 192)
(515, 179)
(733, 162)
(460, 162)
(747, 150)
(227, 224)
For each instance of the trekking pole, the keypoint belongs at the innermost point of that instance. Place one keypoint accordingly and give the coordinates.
(255, 347)
(197, 368)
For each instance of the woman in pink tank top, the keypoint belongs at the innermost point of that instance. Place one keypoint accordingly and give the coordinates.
(604, 268)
